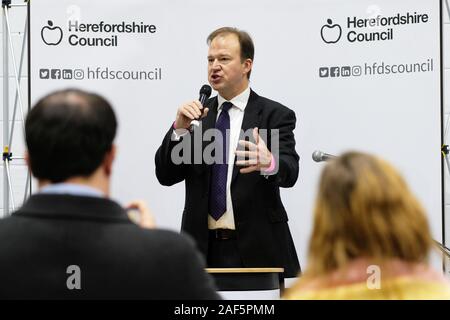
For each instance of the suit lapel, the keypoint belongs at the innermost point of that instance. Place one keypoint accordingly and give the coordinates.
(251, 120)
(208, 123)
(210, 120)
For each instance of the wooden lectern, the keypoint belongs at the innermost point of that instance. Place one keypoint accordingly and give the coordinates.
(247, 279)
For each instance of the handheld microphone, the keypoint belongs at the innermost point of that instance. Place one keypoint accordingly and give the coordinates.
(205, 93)
(319, 156)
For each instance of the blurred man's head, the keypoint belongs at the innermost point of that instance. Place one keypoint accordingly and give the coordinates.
(69, 135)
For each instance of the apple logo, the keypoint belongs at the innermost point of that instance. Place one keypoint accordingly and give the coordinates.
(51, 35)
(331, 33)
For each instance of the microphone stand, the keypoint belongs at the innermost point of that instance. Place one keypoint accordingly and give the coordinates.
(445, 151)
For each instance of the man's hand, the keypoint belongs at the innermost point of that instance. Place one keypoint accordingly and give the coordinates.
(256, 156)
(139, 213)
(188, 112)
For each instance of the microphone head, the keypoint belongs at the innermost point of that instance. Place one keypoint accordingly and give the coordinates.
(205, 90)
(317, 156)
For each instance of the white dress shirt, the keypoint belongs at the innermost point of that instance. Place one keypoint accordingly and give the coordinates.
(236, 113)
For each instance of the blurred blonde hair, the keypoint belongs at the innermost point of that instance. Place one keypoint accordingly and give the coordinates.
(364, 208)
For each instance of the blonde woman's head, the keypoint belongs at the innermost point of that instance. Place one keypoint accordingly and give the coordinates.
(364, 208)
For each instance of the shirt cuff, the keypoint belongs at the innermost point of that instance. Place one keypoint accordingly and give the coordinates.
(271, 168)
(178, 133)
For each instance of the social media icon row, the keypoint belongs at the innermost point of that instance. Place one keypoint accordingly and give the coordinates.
(66, 74)
(334, 72)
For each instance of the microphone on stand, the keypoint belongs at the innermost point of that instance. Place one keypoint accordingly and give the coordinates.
(205, 93)
(319, 156)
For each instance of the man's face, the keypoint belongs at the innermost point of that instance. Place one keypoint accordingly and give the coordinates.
(227, 74)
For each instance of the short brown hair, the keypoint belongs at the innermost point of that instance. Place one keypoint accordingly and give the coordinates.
(245, 42)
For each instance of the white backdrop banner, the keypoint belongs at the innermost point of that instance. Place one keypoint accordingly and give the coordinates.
(360, 75)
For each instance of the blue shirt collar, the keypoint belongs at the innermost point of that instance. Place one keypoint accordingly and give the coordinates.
(72, 189)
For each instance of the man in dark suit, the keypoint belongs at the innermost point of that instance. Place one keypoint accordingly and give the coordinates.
(69, 241)
(233, 207)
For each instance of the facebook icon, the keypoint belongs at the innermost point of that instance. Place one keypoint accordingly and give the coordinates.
(56, 74)
(334, 71)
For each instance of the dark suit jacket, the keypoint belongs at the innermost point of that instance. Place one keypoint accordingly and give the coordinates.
(264, 239)
(117, 259)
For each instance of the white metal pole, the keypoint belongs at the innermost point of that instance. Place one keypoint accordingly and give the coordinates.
(22, 55)
(5, 111)
(8, 172)
(16, 72)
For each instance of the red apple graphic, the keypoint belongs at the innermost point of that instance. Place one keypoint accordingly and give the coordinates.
(51, 35)
(331, 33)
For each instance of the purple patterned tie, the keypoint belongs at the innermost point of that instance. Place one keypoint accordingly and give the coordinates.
(218, 191)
